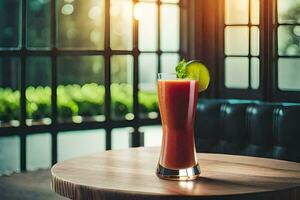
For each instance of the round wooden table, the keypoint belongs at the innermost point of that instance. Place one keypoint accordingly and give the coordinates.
(130, 174)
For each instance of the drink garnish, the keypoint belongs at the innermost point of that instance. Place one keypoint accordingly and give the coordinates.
(181, 69)
(194, 70)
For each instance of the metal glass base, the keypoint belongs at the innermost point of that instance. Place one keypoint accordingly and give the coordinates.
(178, 174)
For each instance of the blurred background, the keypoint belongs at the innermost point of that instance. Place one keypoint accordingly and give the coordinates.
(79, 76)
(80, 46)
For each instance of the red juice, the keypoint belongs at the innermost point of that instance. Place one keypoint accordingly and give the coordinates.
(177, 104)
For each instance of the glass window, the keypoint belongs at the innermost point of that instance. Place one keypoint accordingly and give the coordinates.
(10, 24)
(121, 138)
(170, 1)
(236, 11)
(121, 24)
(152, 135)
(9, 91)
(236, 40)
(38, 24)
(150, 63)
(79, 143)
(255, 73)
(147, 85)
(38, 151)
(236, 72)
(168, 62)
(146, 14)
(288, 33)
(77, 62)
(255, 11)
(80, 92)
(254, 41)
(289, 74)
(242, 44)
(80, 24)
(38, 90)
(169, 29)
(289, 40)
(122, 87)
(288, 11)
(10, 154)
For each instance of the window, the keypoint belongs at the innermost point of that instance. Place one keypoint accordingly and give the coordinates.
(242, 44)
(288, 45)
(251, 47)
(68, 65)
(260, 50)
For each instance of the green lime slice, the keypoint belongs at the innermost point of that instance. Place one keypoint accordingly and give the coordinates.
(198, 71)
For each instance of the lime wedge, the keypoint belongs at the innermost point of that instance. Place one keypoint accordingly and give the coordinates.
(198, 71)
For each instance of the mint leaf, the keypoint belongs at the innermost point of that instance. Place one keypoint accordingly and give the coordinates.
(181, 69)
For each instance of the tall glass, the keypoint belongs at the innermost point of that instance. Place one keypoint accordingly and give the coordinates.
(177, 100)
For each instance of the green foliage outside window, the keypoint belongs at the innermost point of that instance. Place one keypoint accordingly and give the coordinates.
(9, 104)
(73, 100)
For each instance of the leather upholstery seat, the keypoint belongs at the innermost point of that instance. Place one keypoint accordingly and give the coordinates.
(252, 128)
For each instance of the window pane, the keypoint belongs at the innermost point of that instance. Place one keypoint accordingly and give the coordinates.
(121, 24)
(254, 41)
(80, 24)
(236, 11)
(255, 11)
(236, 40)
(120, 138)
(38, 151)
(236, 72)
(121, 87)
(38, 24)
(254, 73)
(169, 27)
(289, 40)
(147, 85)
(152, 135)
(10, 23)
(10, 154)
(170, 1)
(80, 94)
(288, 11)
(289, 74)
(38, 90)
(146, 13)
(9, 91)
(169, 62)
(148, 71)
(79, 143)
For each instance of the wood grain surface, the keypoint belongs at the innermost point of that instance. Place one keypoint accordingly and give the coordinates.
(130, 174)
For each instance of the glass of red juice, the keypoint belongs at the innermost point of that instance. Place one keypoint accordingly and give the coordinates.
(177, 100)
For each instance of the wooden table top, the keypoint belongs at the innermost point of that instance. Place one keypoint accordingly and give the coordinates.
(130, 174)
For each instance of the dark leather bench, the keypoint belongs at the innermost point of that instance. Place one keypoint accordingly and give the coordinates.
(252, 128)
